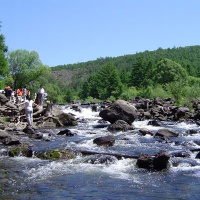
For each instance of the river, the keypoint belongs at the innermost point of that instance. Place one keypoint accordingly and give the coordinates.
(24, 178)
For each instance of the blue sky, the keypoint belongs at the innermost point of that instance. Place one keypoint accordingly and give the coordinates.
(71, 31)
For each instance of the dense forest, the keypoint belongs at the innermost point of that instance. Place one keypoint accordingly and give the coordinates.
(161, 73)
(164, 72)
(187, 57)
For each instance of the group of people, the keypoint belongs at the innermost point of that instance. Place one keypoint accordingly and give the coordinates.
(16, 96)
(22, 95)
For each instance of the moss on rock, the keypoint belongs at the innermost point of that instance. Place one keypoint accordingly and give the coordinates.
(16, 151)
(57, 154)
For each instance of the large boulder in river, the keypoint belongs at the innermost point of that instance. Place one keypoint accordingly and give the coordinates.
(120, 125)
(67, 119)
(108, 140)
(165, 134)
(156, 162)
(119, 110)
(61, 118)
(8, 139)
(12, 140)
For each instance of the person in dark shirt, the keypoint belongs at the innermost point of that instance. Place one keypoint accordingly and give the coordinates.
(8, 92)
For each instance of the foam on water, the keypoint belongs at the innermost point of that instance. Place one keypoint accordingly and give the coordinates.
(186, 126)
(144, 124)
(85, 113)
(186, 167)
(121, 169)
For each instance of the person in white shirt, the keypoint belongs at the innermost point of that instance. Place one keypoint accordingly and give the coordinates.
(41, 89)
(40, 95)
(24, 93)
(29, 110)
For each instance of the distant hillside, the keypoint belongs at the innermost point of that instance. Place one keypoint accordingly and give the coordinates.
(188, 57)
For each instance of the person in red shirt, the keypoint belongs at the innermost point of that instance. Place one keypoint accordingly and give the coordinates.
(19, 95)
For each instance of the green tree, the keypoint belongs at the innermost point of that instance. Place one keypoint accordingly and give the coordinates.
(177, 89)
(109, 83)
(103, 84)
(3, 60)
(53, 92)
(138, 72)
(168, 71)
(125, 77)
(68, 97)
(190, 70)
(25, 67)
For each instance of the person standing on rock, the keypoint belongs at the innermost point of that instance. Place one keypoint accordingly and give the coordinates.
(29, 110)
(40, 95)
(24, 93)
(8, 92)
(19, 95)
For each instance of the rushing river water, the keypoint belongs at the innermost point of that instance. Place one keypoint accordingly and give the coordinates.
(31, 178)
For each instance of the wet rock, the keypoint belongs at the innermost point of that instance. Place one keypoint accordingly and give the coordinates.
(146, 115)
(50, 123)
(28, 152)
(10, 105)
(94, 108)
(155, 123)
(120, 125)
(108, 140)
(145, 132)
(3, 135)
(66, 132)
(12, 140)
(180, 154)
(183, 112)
(158, 101)
(156, 162)
(100, 159)
(29, 130)
(3, 99)
(33, 133)
(101, 121)
(37, 136)
(176, 161)
(2, 127)
(197, 156)
(119, 110)
(100, 126)
(57, 154)
(76, 108)
(81, 120)
(67, 119)
(165, 134)
(192, 131)
(20, 150)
